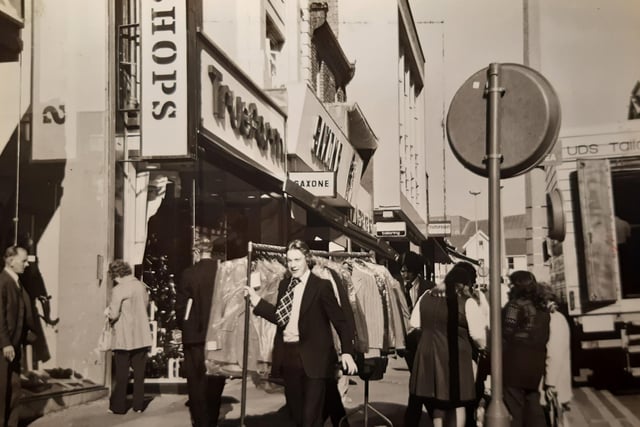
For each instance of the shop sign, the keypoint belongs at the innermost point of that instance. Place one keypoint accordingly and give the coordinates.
(391, 229)
(362, 220)
(163, 29)
(327, 146)
(601, 146)
(69, 92)
(320, 184)
(314, 137)
(439, 229)
(362, 212)
(239, 116)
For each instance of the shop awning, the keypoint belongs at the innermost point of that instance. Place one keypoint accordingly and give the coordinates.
(453, 253)
(330, 51)
(338, 220)
(435, 249)
(361, 134)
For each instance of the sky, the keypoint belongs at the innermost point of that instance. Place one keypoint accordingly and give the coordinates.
(583, 47)
(460, 37)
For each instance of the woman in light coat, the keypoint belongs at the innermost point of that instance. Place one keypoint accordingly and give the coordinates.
(132, 336)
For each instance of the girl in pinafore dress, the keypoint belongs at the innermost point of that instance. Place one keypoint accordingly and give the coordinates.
(442, 377)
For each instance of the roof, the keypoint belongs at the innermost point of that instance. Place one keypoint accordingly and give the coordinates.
(515, 247)
(515, 234)
(515, 226)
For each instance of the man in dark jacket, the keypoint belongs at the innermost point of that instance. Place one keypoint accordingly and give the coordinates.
(16, 326)
(303, 352)
(193, 306)
(413, 285)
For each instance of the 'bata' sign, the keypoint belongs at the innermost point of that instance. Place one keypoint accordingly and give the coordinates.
(439, 229)
(163, 28)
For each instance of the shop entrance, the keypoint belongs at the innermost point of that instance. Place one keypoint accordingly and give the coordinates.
(208, 198)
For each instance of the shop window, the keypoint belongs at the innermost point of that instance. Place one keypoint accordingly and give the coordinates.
(128, 63)
(274, 42)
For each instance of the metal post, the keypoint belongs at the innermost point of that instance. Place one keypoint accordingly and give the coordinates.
(497, 414)
(475, 195)
(245, 343)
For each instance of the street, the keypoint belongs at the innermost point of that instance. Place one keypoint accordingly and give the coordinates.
(590, 407)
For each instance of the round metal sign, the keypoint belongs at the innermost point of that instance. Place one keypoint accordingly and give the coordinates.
(529, 120)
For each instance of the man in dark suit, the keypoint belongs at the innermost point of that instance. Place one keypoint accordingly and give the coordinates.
(413, 285)
(303, 352)
(16, 326)
(193, 306)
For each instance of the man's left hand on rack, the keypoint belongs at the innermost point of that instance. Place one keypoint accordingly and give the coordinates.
(254, 298)
(348, 364)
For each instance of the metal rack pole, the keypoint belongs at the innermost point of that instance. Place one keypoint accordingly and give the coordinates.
(251, 247)
(245, 342)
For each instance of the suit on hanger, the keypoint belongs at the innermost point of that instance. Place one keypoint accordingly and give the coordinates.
(333, 406)
(317, 355)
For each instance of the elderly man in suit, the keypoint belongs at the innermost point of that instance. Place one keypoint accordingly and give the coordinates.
(16, 326)
(303, 351)
(193, 307)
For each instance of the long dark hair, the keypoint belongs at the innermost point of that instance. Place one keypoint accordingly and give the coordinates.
(456, 280)
(525, 286)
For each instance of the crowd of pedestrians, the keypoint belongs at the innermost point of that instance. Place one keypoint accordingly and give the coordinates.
(446, 345)
(450, 367)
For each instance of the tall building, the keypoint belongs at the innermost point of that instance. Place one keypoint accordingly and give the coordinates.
(382, 40)
(57, 186)
(136, 127)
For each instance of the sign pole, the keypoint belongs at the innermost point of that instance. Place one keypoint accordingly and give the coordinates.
(497, 414)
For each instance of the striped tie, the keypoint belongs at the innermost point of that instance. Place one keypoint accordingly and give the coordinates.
(283, 311)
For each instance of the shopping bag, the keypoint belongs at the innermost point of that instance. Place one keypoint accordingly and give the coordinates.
(106, 336)
(554, 411)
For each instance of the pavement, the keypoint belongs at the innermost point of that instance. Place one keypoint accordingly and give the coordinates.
(265, 407)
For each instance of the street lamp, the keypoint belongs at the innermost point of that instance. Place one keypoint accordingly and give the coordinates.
(475, 207)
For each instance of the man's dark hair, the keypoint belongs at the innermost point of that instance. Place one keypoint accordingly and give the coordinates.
(203, 244)
(413, 262)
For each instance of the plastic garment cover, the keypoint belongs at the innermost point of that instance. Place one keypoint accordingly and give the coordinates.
(225, 334)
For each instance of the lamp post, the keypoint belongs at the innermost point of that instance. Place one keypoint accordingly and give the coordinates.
(475, 208)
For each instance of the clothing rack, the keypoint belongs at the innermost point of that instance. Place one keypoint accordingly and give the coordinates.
(272, 249)
(365, 407)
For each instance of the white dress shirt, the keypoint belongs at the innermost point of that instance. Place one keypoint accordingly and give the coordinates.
(291, 332)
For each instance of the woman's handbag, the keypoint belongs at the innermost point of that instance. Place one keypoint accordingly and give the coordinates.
(106, 336)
